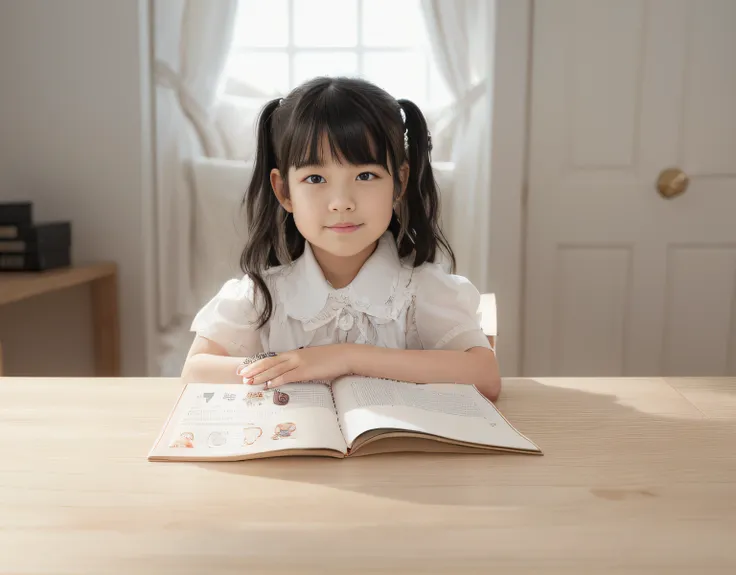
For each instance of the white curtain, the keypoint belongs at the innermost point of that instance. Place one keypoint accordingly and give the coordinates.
(192, 42)
(458, 32)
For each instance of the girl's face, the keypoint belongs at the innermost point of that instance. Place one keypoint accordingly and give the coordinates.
(340, 208)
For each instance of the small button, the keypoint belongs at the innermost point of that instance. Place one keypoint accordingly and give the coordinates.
(345, 322)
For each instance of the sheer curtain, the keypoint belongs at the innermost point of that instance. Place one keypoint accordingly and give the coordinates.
(192, 42)
(458, 33)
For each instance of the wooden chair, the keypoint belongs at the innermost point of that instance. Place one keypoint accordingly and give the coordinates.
(488, 318)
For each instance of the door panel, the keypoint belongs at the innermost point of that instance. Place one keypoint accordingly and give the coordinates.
(620, 280)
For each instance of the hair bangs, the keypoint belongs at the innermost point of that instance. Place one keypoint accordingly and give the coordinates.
(335, 123)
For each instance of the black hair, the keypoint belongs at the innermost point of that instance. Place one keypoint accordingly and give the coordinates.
(363, 125)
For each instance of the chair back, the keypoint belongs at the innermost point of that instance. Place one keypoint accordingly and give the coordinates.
(488, 318)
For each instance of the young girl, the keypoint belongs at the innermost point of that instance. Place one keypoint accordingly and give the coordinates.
(340, 273)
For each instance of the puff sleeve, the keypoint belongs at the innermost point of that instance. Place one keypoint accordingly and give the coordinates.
(230, 319)
(446, 312)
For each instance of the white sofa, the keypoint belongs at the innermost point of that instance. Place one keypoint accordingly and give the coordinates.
(219, 231)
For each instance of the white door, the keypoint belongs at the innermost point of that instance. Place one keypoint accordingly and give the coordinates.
(619, 280)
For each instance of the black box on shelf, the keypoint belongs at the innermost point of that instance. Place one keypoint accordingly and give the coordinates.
(35, 261)
(16, 214)
(23, 238)
(29, 246)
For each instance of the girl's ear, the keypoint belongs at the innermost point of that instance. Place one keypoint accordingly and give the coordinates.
(277, 183)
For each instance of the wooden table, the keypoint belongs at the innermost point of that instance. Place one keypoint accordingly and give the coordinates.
(638, 476)
(103, 281)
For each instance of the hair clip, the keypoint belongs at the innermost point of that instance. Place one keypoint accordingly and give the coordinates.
(254, 358)
(429, 141)
(281, 101)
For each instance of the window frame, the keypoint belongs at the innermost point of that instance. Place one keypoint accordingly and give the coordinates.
(360, 50)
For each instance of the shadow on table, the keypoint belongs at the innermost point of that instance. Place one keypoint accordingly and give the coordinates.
(622, 442)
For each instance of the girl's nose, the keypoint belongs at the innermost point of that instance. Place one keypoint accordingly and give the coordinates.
(342, 202)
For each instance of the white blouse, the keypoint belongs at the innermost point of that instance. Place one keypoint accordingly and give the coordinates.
(388, 304)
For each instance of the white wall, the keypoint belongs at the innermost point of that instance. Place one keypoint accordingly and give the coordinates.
(75, 139)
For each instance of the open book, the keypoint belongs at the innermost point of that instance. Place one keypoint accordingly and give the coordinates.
(350, 416)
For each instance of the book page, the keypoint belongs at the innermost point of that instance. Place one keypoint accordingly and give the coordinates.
(454, 411)
(221, 420)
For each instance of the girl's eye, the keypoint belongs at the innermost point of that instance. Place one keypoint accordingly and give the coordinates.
(314, 179)
(366, 176)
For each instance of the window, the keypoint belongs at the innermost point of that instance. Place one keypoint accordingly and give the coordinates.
(280, 43)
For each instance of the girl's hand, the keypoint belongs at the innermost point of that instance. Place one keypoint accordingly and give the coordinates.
(312, 363)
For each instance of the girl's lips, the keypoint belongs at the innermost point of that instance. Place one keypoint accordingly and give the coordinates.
(344, 228)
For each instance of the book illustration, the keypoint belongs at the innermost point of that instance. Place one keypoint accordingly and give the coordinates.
(302, 395)
(205, 397)
(254, 398)
(284, 430)
(309, 395)
(251, 435)
(186, 439)
(217, 439)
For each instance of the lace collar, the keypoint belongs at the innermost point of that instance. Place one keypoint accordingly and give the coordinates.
(305, 293)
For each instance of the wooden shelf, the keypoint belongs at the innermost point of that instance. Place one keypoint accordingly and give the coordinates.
(102, 279)
(17, 286)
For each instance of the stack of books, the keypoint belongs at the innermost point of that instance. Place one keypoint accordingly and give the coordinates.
(29, 246)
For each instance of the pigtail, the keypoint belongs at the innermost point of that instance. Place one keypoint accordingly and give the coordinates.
(420, 203)
(262, 212)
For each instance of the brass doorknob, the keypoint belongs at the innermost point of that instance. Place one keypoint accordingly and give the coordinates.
(672, 182)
